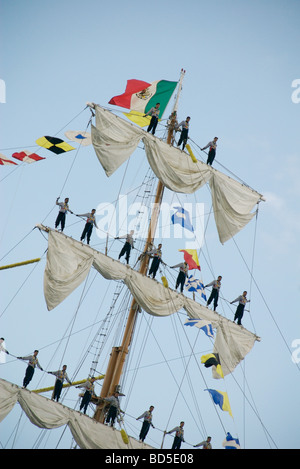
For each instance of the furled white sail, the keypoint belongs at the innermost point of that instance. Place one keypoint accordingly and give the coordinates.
(174, 167)
(113, 143)
(68, 264)
(65, 271)
(114, 140)
(45, 413)
(232, 204)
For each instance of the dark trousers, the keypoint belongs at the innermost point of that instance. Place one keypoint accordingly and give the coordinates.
(176, 443)
(154, 266)
(85, 401)
(183, 138)
(125, 250)
(153, 124)
(57, 389)
(28, 375)
(214, 296)
(61, 219)
(112, 413)
(144, 430)
(211, 156)
(239, 314)
(87, 231)
(180, 280)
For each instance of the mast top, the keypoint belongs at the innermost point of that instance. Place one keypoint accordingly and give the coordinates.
(182, 73)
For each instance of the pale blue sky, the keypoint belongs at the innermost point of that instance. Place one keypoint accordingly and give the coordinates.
(241, 58)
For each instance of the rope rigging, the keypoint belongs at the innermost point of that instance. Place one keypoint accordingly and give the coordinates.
(99, 340)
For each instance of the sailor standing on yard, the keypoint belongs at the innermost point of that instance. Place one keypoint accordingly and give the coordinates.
(114, 408)
(184, 132)
(240, 308)
(179, 436)
(212, 151)
(32, 363)
(2, 348)
(206, 444)
(147, 416)
(156, 254)
(216, 285)
(183, 273)
(89, 392)
(127, 246)
(61, 375)
(154, 112)
(61, 217)
(90, 222)
(173, 125)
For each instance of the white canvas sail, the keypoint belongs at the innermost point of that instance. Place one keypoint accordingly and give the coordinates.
(114, 140)
(113, 144)
(232, 342)
(45, 413)
(232, 204)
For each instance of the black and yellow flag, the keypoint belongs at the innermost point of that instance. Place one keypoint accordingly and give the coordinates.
(212, 359)
(56, 145)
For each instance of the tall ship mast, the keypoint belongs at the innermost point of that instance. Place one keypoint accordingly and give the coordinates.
(118, 354)
(69, 262)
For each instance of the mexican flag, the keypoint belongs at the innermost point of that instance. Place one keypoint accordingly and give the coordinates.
(140, 98)
(132, 87)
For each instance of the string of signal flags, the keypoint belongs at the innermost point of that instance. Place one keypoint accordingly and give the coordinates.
(53, 144)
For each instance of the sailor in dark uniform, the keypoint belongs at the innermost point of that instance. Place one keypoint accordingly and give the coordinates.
(216, 285)
(147, 416)
(2, 348)
(114, 408)
(127, 246)
(156, 254)
(32, 363)
(212, 151)
(240, 308)
(154, 112)
(89, 393)
(183, 273)
(184, 132)
(179, 436)
(206, 444)
(61, 217)
(90, 222)
(61, 375)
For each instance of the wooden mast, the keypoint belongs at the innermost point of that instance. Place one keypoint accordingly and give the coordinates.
(119, 354)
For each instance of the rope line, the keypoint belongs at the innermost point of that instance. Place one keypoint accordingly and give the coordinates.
(186, 359)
